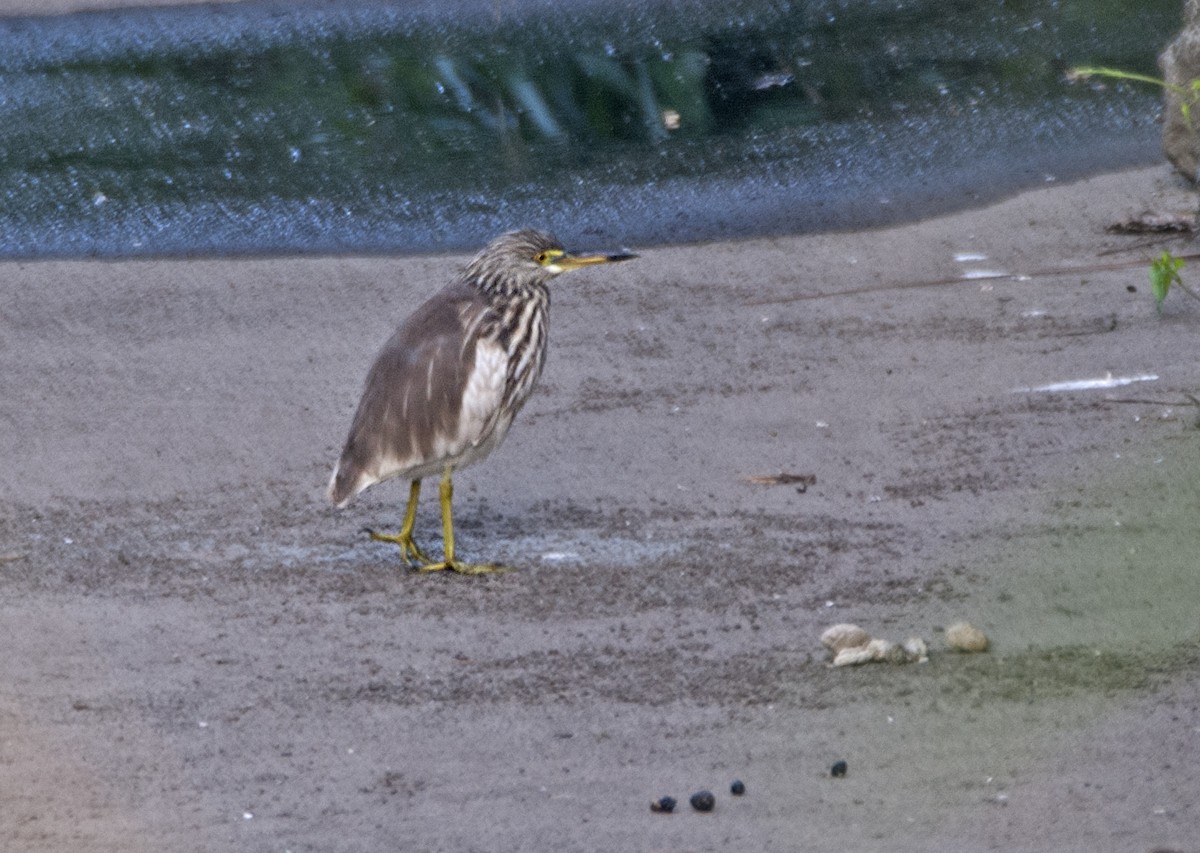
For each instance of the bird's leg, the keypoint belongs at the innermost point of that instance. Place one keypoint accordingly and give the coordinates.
(408, 548)
(446, 491)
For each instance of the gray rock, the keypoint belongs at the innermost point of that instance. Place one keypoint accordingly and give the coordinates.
(1180, 65)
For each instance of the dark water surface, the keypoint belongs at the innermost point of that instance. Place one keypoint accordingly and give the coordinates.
(372, 126)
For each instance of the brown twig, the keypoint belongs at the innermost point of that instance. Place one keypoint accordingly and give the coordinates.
(1156, 240)
(783, 478)
(958, 279)
(1192, 401)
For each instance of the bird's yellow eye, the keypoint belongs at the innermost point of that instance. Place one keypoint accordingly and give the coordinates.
(547, 256)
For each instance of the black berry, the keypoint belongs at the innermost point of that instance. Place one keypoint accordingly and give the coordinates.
(838, 769)
(737, 788)
(703, 801)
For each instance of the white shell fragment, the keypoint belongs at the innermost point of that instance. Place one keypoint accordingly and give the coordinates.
(844, 636)
(965, 637)
(851, 645)
(853, 656)
(915, 649)
(886, 650)
(1105, 381)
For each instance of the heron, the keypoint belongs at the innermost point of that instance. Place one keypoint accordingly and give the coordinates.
(446, 386)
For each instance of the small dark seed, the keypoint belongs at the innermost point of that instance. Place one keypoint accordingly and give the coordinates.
(664, 805)
(838, 769)
(703, 801)
(737, 788)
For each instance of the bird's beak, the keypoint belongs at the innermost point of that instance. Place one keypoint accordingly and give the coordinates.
(572, 262)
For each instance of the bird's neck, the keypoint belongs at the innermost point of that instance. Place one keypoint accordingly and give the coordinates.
(518, 319)
(500, 290)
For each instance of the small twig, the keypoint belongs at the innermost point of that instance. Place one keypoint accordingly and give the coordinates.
(801, 481)
(1049, 272)
(1156, 240)
(1187, 290)
(1192, 401)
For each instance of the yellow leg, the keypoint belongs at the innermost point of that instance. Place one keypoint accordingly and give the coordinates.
(446, 492)
(408, 548)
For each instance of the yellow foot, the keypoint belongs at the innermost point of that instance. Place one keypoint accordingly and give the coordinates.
(464, 568)
(408, 548)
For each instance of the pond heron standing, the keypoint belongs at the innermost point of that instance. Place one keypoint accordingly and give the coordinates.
(445, 388)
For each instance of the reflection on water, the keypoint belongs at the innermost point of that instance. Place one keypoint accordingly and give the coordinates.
(381, 127)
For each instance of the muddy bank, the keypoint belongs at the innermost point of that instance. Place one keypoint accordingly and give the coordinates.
(199, 654)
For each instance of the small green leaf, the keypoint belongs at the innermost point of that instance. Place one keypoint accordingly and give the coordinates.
(1164, 271)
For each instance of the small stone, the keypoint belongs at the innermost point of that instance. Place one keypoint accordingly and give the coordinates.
(853, 656)
(844, 636)
(965, 637)
(663, 805)
(838, 770)
(885, 650)
(737, 788)
(915, 650)
(703, 801)
(878, 649)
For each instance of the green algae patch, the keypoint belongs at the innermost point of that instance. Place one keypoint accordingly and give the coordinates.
(1063, 672)
(1103, 594)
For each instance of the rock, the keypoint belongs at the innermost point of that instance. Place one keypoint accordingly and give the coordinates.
(663, 805)
(965, 637)
(703, 801)
(1180, 65)
(885, 650)
(915, 650)
(878, 649)
(853, 656)
(844, 636)
(838, 770)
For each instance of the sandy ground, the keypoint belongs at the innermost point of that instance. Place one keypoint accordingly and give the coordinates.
(200, 654)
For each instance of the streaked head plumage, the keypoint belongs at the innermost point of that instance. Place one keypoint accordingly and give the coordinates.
(527, 258)
(515, 260)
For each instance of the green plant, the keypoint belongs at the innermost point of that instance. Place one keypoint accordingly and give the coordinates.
(1188, 95)
(1164, 272)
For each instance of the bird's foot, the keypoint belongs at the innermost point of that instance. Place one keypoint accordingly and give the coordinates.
(408, 548)
(464, 568)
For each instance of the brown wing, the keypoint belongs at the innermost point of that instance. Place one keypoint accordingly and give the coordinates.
(412, 398)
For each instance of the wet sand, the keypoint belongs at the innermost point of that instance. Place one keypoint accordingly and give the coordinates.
(200, 654)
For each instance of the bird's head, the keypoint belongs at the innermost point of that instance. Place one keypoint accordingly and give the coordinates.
(520, 258)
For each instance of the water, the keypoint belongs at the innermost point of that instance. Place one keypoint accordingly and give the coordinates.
(259, 127)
